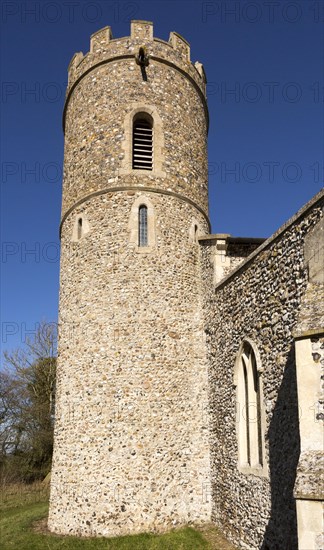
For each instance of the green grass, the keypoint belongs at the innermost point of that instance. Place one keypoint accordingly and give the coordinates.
(20, 509)
(14, 495)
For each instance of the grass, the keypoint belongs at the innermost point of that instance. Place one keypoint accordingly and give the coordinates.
(16, 495)
(22, 509)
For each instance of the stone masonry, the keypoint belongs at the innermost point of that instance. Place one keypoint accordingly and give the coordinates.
(155, 340)
(131, 442)
(267, 299)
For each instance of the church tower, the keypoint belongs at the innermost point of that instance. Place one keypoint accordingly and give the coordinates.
(131, 449)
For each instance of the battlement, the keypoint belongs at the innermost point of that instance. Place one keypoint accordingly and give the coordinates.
(140, 31)
(103, 48)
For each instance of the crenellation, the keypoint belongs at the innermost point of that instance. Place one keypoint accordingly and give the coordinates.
(100, 40)
(200, 68)
(180, 45)
(103, 48)
(75, 61)
(141, 30)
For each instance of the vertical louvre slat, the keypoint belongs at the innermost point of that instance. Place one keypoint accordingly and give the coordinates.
(142, 145)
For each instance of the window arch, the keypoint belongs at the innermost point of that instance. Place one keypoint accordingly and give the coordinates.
(142, 226)
(150, 117)
(142, 144)
(248, 381)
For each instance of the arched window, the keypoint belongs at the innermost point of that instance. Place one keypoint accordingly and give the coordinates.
(249, 402)
(196, 233)
(142, 142)
(79, 228)
(142, 226)
(143, 146)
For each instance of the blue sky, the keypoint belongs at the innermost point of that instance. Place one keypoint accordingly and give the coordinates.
(265, 93)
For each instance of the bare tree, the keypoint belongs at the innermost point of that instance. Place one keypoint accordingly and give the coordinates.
(27, 394)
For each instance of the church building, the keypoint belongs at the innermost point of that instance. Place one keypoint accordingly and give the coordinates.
(190, 382)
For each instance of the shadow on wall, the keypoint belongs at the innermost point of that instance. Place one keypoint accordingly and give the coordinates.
(284, 449)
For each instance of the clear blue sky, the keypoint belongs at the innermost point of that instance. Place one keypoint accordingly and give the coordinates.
(270, 131)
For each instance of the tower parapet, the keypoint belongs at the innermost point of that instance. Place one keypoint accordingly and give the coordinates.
(104, 48)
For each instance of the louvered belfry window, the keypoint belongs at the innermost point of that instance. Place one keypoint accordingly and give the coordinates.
(142, 144)
(142, 225)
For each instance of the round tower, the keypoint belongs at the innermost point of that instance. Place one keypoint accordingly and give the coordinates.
(131, 448)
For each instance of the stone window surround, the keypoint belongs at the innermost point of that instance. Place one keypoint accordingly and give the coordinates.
(78, 228)
(195, 231)
(158, 141)
(243, 466)
(133, 225)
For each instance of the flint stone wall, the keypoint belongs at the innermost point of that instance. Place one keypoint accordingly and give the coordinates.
(262, 300)
(237, 252)
(131, 450)
(131, 443)
(95, 117)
